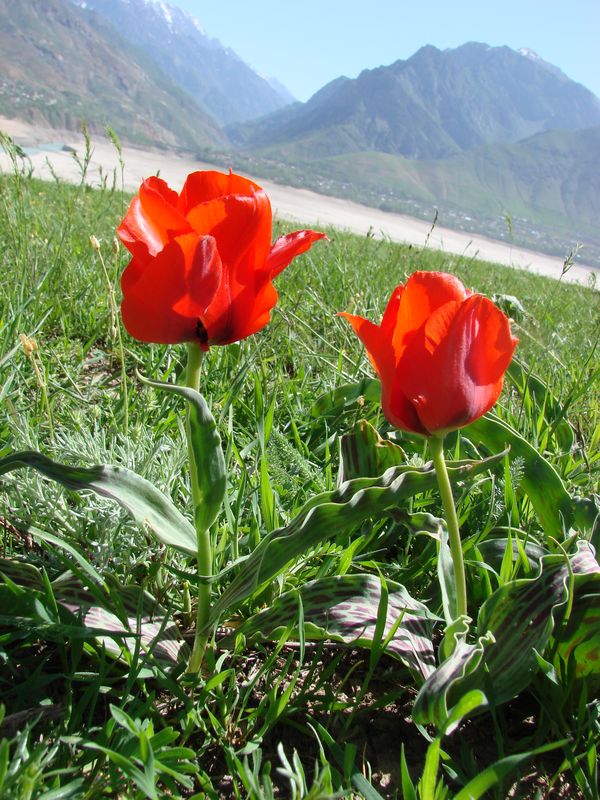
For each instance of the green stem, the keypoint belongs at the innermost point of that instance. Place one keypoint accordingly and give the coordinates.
(437, 451)
(204, 557)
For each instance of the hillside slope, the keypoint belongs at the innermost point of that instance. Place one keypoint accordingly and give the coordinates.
(57, 68)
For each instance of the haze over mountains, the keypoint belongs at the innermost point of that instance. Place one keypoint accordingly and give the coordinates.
(476, 130)
(220, 82)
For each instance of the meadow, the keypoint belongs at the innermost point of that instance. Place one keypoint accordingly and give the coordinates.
(97, 614)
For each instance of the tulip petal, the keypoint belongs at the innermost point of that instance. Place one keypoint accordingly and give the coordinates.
(390, 315)
(493, 346)
(396, 406)
(288, 247)
(152, 220)
(173, 293)
(252, 311)
(202, 263)
(378, 349)
(466, 371)
(202, 187)
(241, 226)
(424, 292)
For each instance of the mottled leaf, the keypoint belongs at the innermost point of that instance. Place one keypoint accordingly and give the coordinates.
(138, 616)
(344, 608)
(579, 637)
(365, 454)
(514, 624)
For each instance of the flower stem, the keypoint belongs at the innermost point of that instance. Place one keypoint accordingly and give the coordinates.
(437, 451)
(204, 554)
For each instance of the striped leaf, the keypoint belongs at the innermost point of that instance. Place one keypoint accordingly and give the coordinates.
(346, 608)
(514, 622)
(121, 618)
(365, 454)
(332, 514)
(139, 622)
(493, 550)
(144, 502)
(579, 637)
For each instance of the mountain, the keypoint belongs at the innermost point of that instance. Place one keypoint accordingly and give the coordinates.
(59, 64)
(434, 105)
(213, 75)
(551, 177)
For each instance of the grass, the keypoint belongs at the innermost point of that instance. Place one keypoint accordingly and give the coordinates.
(278, 715)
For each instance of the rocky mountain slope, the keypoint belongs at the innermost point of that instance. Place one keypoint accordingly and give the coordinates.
(220, 82)
(59, 64)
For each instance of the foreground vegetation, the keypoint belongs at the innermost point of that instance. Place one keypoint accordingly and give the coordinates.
(279, 711)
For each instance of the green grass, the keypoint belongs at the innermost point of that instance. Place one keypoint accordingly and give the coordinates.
(275, 716)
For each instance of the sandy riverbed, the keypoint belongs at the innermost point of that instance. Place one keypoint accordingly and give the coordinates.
(298, 205)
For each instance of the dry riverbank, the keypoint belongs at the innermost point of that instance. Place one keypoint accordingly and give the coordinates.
(50, 151)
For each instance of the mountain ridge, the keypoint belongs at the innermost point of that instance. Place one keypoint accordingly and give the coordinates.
(435, 104)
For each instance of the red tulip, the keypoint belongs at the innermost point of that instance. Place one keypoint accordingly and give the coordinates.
(441, 353)
(203, 262)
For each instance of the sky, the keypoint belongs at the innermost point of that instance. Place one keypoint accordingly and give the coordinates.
(307, 43)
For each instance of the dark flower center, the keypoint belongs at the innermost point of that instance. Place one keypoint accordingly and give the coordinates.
(201, 332)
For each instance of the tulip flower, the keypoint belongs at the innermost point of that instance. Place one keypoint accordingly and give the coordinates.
(441, 353)
(202, 264)
(201, 272)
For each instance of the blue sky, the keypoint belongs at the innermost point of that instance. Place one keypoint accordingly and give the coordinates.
(307, 43)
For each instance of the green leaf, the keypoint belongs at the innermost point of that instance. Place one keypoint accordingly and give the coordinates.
(445, 571)
(408, 788)
(357, 779)
(540, 482)
(144, 502)
(346, 396)
(430, 770)
(209, 461)
(467, 703)
(365, 454)
(345, 608)
(331, 514)
(141, 779)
